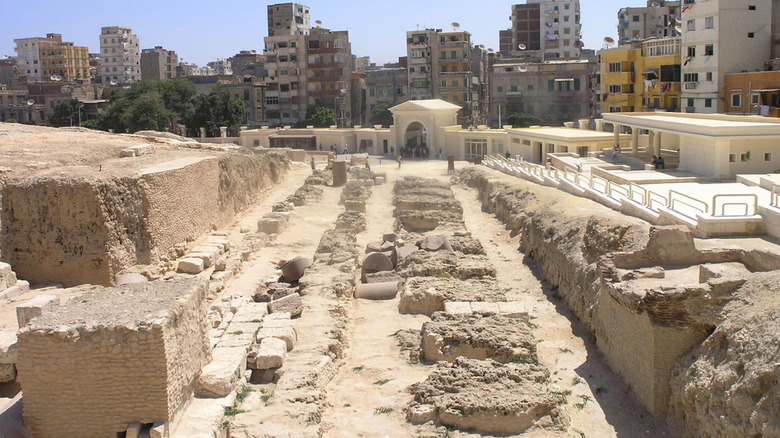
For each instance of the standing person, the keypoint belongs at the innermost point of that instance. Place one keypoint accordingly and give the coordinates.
(368, 164)
(392, 150)
(346, 151)
(400, 159)
(507, 155)
(439, 156)
(579, 165)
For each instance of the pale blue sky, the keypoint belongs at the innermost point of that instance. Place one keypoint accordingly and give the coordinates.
(201, 31)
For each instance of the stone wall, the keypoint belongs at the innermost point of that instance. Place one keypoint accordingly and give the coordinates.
(132, 355)
(75, 226)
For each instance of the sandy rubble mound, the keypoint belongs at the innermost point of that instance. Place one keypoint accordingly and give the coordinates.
(488, 397)
(730, 385)
(478, 337)
(445, 264)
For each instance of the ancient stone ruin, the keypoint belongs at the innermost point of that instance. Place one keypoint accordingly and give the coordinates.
(153, 286)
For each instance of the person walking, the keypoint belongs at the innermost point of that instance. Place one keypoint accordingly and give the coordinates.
(346, 151)
(368, 163)
(400, 159)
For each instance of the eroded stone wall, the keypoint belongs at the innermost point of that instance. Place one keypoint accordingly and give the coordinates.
(112, 357)
(75, 225)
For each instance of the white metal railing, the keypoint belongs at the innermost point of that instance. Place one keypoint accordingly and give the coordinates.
(676, 197)
(775, 200)
(751, 206)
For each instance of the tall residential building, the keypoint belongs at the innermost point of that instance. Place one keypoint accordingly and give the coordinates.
(66, 61)
(657, 20)
(248, 63)
(329, 72)
(288, 19)
(158, 64)
(121, 53)
(28, 54)
(641, 76)
(547, 29)
(721, 37)
(388, 85)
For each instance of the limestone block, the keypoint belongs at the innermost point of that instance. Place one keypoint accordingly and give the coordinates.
(209, 248)
(284, 323)
(136, 151)
(287, 334)
(278, 315)
(189, 265)
(421, 414)
(221, 241)
(35, 307)
(291, 303)
(270, 354)
(251, 312)
(133, 429)
(130, 278)
(379, 180)
(7, 372)
(219, 377)
(270, 226)
(7, 276)
(457, 307)
(484, 308)
(20, 288)
(159, 430)
(8, 347)
(359, 206)
(513, 309)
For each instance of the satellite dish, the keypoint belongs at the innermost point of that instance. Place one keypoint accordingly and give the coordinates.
(53, 77)
(124, 35)
(318, 23)
(455, 25)
(655, 5)
(522, 46)
(677, 20)
(253, 52)
(609, 41)
(678, 28)
(522, 68)
(30, 102)
(481, 47)
(113, 82)
(490, 51)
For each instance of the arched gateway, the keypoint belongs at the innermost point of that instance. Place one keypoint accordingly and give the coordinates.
(419, 125)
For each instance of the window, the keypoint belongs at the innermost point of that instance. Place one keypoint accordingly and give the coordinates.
(767, 156)
(256, 143)
(670, 73)
(707, 103)
(709, 22)
(500, 89)
(614, 67)
(751, 7)
(751, 35)
(743, 158)
(635, 18)
(615, 109)
(444, 84)
(709, 76)
(531, 87)
(475, 148)
(691, 25)
(614, 88)
(314, 44)
(691, 77)
(755, 99)
(498, 147)
(709, 50)
(732, 158)
(513, 88)
(272, 100)
(736, 100)
(691, 51)
(443, 55)
(690, 102)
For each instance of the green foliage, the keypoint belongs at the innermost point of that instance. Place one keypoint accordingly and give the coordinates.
(383, 410)
(381, 115)
(230, 411)
(321, 117)
(147, 105)
(523, 120)
(66, 113)
(213, 110)
(11, 121)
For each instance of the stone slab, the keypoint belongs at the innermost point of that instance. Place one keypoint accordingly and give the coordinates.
(270, 354)
(291, 304)
(189, 265)
(219, 377)
(35, 307)
(287, 334)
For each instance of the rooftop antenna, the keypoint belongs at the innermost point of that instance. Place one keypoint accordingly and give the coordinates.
(455, 25)
(609, 41)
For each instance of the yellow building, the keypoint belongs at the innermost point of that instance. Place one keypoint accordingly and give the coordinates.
(641, 76)
(67, 61)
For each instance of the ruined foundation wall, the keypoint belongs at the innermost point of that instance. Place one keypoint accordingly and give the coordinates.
(74, 226)
(132, 357)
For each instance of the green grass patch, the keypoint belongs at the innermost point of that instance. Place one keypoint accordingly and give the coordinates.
(381, 382)
(232, 411)
(383, 410)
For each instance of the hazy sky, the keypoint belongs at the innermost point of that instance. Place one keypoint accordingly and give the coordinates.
(201, 31)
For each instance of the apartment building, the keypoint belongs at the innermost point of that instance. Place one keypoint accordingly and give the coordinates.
(329, 72)
(288, 19)
(158, 64)
(555, 91)
(249, 63)
(656, 20)
(121, 55)
(641, 76)
(721, 37)
(752, 93)
(545, 29)
(386, 85)
(28, 54)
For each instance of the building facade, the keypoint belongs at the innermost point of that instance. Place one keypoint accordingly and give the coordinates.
(158, 64)
(721, 37)
(641, 76)
(547, 29)
(386, 85)
(288, 19)
(28, 54)
(121, 55)
(753, 93)
(656, 20)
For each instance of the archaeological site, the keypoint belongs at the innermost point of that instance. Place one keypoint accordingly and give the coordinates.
(153, 285)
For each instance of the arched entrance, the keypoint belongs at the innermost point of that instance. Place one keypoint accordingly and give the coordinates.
(416, 142)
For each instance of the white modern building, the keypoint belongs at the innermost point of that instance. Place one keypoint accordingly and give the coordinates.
(721, 37)
(120, 54)
(28, 54)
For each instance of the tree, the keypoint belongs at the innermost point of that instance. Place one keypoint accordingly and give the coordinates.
(213, 110)
(381, 115)
(146, 112)
(321, 117)
(66, 113)
(523, 120)
(173, 99)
